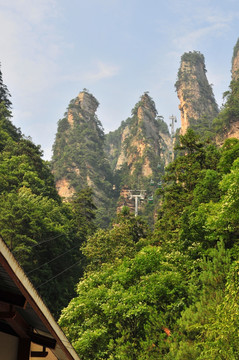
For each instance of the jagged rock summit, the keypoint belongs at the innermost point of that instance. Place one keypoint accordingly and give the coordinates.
(194, 92)
(139, 150)
(133, 155)
(235, 61)
(142, 144)
(79, 159)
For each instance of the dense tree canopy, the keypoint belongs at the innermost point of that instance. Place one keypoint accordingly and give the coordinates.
(169, 294)
(44, 234)
(123, 309)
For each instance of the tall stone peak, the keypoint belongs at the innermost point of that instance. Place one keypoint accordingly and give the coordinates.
(142, 143)
(235, 61)
(87, 102)
(145, 107)
(139, 151)
(194, 92)
(229, 127)
(79, 159)
(84, 106)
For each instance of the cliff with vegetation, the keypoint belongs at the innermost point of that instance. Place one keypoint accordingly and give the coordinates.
(235, 61)
(197, 103)
(79, 159)
(226, 124)
(140, 149)
(142, 144)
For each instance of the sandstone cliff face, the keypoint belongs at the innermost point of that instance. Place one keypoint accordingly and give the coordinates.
(69, 149)
(87, 102)
(139, 151)
(235, 62)
(230, 128)
(232, 132)
(194, 92)
(122, 159)
(142, 145)
(143, 140)
(64, 189)
(234, 126)
(83, 107)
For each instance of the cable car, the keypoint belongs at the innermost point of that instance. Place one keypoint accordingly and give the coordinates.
(150, 200)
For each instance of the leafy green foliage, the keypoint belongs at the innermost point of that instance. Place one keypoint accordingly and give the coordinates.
(230, 111)
(84, 213)
(174, 281)
(197, 319)
(203, 127)
(180, 179)
(230, 152)
(120, 311)
(4, 94)
(21, 165)
(42, 232)
(124, 239)
(221, 335)
(163, 127)
(207, 231)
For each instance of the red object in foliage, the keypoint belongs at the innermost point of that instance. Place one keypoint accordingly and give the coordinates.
(167, 331)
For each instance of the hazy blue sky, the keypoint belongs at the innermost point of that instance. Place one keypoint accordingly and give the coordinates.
(117, 49)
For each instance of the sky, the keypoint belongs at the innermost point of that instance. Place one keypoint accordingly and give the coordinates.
(117, 49)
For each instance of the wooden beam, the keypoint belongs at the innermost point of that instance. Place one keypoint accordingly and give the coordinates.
(42, 340)
(19, 325)
(41, 354)
(7, 314)
(7, 311)
(13, 299)
(23, 349)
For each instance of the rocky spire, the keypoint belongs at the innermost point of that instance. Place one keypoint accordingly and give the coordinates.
(235, 61)
(142, 143)
(79, 159)
(194, 92)
(83, 106)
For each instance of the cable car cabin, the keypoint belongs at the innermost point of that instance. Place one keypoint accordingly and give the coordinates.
(151, 182)
(150, 200)
(159, 184)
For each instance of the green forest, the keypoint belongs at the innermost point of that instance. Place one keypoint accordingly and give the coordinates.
(171, 293)
(129, 291)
